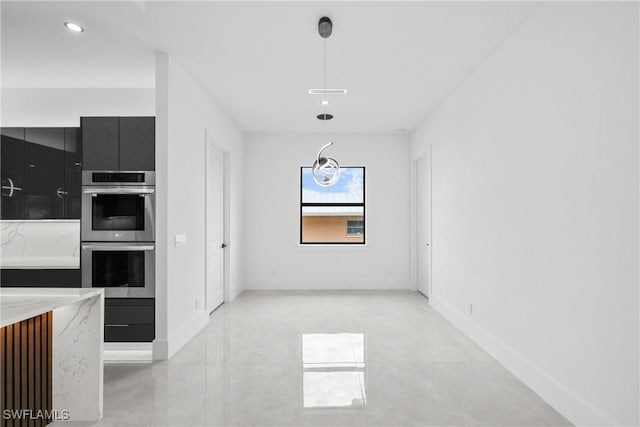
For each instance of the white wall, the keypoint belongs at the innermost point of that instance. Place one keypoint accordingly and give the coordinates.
(52, 107)
(535, 207)
(184, 114)
(274, 258)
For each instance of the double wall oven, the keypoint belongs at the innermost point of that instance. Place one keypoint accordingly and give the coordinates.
(118, 233)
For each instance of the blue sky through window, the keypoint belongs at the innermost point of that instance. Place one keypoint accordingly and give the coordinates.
(351, 181)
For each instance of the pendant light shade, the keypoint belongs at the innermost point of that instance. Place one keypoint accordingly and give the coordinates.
(325, 170)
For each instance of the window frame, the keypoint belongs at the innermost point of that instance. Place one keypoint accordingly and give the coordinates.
(363, 205)
(346, 234)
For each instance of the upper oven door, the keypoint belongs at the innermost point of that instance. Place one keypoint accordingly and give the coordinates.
(118, 213)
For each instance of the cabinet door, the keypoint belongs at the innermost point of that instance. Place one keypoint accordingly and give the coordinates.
(129, 319)
(72, 172)
(100, 143)
(129, 333)
(12, 173)
(44, 174)
(137, 143)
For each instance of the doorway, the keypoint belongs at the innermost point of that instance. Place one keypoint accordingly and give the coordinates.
(423, 223)
(215, 195)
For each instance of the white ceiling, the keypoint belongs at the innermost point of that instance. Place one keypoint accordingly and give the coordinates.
(258, 59)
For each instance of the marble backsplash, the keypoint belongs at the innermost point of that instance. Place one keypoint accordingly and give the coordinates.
(40, 244)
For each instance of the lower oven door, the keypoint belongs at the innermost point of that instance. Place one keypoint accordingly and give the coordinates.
(123, 270)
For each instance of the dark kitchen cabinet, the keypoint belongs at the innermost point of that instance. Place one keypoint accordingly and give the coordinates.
(129, 319)
(118, 143)
(41, 173)
(128, 333)
(44, 173)
(137, 143)
(72, 172)
(12, 164)
(40, 278)
(100, 143)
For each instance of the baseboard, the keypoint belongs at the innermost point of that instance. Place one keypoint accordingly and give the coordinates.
(165, 349)
(127, 352)
(319, 284)
(137, 346)
(553, 392)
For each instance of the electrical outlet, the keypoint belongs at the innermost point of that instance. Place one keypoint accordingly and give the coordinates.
(179, 240)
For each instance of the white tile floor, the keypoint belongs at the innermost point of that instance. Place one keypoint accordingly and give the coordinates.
(324, 358)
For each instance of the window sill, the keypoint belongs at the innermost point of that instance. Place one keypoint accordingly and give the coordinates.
(325, 246)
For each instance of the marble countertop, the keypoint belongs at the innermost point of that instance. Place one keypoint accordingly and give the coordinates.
(17, 304)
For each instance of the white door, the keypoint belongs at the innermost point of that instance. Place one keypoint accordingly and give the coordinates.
(423, 214)
(214, 227)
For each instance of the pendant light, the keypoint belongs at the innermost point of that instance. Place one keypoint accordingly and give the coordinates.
(325, 170)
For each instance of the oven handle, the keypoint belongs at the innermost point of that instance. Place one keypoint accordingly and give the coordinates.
(118, 190)
(119, 247)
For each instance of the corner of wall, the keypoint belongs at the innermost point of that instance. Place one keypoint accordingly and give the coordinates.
(160, 349)
(165, 349)
(160, 345)
(236, 293)
(189, 330)
(184, 111)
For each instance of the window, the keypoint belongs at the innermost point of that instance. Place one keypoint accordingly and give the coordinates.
(336, 214)
(355, 228)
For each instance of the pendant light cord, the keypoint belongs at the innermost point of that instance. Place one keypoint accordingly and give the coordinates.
(324, 109)
(325, 170)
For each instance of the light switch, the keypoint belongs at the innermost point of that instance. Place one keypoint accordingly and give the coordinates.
(180, 240)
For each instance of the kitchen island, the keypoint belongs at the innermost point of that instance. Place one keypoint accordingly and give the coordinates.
(51, 356)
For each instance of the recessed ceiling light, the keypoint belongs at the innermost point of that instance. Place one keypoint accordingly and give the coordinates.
(327, 91)
(325, 102)
(72, 26)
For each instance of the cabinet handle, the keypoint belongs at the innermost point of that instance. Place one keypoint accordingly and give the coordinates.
(117, 326)
(10, 187)
(61, 193)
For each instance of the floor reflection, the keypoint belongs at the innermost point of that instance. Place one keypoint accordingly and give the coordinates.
(245, 369)
(334, 368)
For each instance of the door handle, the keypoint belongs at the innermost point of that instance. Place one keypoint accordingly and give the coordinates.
(118, 190)
(10, 187)
(224, 245)
(108, 247)
(61, 193)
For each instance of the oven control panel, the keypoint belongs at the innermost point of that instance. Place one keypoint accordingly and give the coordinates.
(117, 177)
